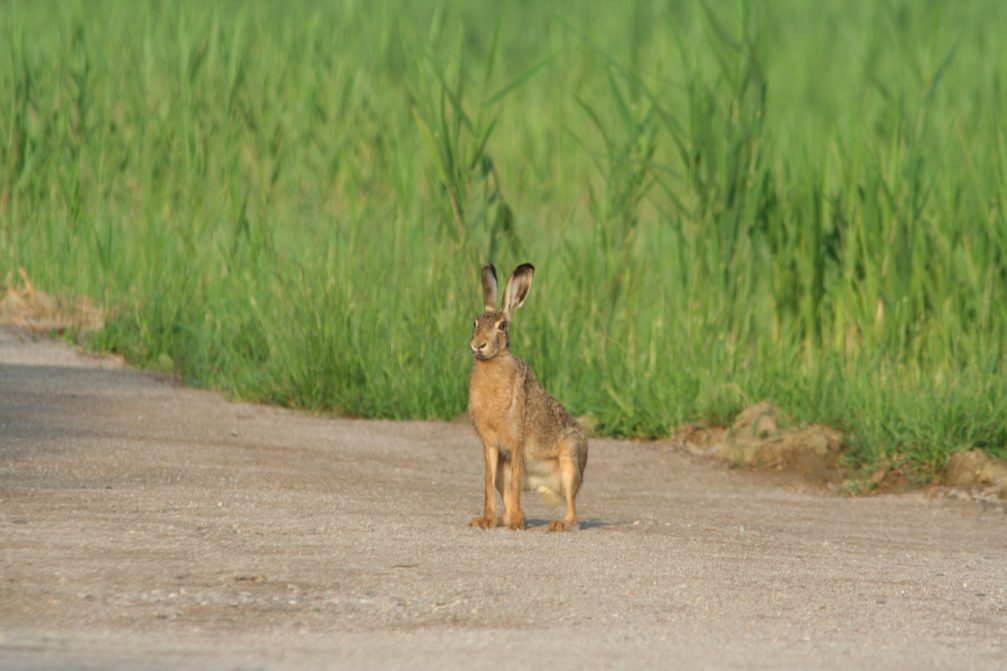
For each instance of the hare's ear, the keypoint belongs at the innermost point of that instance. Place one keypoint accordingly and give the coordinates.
(517, 288)
(489, 278)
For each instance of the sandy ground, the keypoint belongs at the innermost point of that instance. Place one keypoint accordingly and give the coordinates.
(145, 525)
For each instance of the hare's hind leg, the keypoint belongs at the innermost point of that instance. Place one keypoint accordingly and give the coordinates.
(569, 478)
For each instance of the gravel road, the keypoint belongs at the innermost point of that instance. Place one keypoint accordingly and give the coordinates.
(146, 525)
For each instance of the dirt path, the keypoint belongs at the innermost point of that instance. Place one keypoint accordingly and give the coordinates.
(144, 525)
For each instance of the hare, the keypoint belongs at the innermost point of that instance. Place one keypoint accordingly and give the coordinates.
(529, 440)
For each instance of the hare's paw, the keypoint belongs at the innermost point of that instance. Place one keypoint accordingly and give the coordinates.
(483, 522)
(514, 522)
(563, 525)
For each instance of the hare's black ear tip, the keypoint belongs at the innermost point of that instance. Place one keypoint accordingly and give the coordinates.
(525, 268)
(489, 268)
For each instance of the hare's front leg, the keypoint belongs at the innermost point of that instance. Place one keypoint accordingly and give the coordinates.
(491, 455)
(513, 481)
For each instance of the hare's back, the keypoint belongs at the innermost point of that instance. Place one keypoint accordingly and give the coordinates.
(546, 418)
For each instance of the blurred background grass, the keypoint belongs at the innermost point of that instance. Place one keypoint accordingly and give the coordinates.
(725, 201)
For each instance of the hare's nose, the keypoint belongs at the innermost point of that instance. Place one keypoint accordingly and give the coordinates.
(479, 347)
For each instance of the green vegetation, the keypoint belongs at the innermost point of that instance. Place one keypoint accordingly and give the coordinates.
(726, 202)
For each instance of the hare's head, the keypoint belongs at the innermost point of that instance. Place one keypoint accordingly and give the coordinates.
(489, 336)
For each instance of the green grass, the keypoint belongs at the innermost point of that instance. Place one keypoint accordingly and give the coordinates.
(726, 202)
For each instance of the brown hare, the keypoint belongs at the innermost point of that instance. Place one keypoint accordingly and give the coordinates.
(529, 440)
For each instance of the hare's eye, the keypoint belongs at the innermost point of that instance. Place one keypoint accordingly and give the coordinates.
(475, 323)
(502, 325)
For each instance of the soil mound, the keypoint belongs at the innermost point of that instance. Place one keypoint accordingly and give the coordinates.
(36, 311)
(760, 438)
(976, 471)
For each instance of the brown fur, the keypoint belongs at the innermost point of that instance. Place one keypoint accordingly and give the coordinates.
(529, 439)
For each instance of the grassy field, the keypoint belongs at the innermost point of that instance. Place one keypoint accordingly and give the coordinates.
(725, 201)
